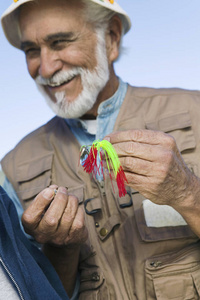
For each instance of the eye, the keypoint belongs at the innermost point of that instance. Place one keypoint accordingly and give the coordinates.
(59, 44)
(32, 52)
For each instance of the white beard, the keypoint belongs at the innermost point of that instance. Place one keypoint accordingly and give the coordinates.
(92, 83)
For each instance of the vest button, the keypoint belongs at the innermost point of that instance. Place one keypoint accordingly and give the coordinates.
(103, 231)
(96, 224)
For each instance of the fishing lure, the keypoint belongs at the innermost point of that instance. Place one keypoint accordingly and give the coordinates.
(92, 162)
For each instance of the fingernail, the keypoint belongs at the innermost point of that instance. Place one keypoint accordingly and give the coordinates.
(48, 194)
(62, 190)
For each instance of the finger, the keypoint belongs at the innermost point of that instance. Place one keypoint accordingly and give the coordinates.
(139, 150)
(143, 184)
(139, 166)
(78, 232)
(33, 214)
(138, 135)
(71, 229)
(69, 215)
(53, 186)
(53, 215)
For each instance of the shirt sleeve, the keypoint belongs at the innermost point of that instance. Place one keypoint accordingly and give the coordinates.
(13, 196)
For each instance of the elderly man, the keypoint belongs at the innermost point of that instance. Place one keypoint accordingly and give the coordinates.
(144, 245)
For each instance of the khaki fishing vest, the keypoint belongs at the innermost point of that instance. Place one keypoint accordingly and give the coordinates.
(123, 259)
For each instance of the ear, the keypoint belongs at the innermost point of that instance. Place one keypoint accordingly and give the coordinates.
(114, 38)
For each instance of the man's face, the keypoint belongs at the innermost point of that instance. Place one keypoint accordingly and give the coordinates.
(64, 53)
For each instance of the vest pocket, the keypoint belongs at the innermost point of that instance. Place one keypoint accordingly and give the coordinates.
(174, 276)
(92, 284)
(92, 281)
(179, 126)
(155, 234)
(33, 176)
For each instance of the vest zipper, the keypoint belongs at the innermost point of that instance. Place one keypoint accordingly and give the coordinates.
(12, 279)
(156, 263)
(101, 186)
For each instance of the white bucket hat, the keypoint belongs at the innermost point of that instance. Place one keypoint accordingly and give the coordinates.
(9, 19)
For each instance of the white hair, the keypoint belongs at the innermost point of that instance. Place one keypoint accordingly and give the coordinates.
(101, 16)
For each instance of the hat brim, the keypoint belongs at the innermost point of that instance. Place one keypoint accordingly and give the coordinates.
(9, 22)
(9, 19)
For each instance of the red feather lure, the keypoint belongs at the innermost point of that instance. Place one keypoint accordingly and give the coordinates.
(90, 164)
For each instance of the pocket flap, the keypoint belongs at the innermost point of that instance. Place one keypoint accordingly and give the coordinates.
(106, 229)
(32, 168)
(177, 125)
(91, 279)
(33, 176)
(171, 122)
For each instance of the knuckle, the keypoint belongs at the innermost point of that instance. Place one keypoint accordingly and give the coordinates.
(130, 148)
(27, 219)
(74, 200)
(79, 225)
(171, 141)
(136, 135)
(128, 163)
(50, 222)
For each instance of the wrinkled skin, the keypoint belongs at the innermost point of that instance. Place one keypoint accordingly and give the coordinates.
(56, 220)
(154, 166)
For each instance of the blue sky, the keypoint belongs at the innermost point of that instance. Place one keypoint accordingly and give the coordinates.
(162, 50)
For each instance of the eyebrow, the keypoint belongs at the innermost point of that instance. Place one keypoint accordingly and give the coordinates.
(59, 35)
(49, 38)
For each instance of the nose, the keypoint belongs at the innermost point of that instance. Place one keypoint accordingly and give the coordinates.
(50, 63)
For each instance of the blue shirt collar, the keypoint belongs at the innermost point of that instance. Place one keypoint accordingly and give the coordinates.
(105, 108)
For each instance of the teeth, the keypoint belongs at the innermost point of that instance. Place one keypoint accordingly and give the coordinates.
(60, 83)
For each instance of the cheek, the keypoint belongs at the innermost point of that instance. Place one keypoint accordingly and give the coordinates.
(84, 57)
(33, 67)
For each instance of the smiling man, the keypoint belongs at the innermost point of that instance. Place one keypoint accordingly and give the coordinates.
(68, 60)
(144, 245)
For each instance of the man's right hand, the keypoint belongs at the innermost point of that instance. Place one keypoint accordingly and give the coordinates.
(55, 219)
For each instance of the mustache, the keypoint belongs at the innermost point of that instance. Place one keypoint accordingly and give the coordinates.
(59, 78)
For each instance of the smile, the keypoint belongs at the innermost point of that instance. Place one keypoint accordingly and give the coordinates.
(55, 84)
